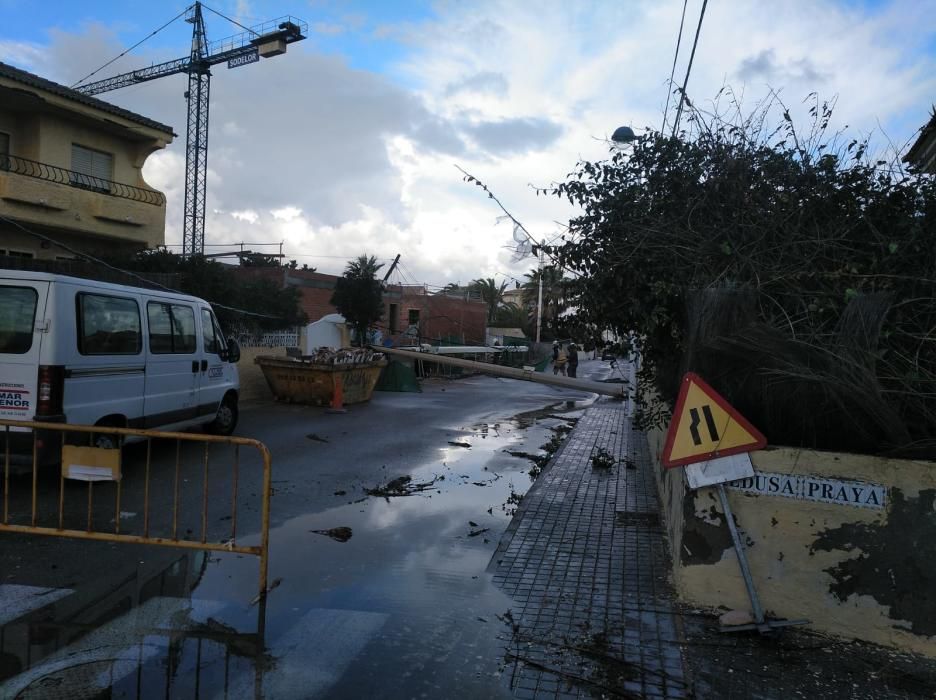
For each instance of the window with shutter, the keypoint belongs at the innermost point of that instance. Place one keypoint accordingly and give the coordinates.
(91, 169)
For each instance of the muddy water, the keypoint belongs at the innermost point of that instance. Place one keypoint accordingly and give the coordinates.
(385, 597)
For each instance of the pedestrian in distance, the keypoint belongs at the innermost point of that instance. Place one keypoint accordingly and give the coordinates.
(559, 364)
(555, 350)
(573, 359)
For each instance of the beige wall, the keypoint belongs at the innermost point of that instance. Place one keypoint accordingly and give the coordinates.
(24, 133)
(39, 204)
(253, 385)
(856, 572)
(88, 220)
(56, 136)
(12, 239)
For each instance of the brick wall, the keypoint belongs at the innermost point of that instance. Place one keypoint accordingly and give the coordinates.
(439, 316)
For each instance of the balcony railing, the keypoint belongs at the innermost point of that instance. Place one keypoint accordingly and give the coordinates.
(53, 173)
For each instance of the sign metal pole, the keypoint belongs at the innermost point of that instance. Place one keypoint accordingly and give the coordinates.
(742, 561)
(709, 437)
(761, 624)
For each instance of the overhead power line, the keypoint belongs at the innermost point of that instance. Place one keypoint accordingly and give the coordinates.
(669, 91)
(98, 261)
(682, 92)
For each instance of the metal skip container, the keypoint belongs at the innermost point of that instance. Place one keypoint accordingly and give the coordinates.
(314, 379)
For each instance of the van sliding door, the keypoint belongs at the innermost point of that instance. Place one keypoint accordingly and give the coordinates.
(173, 364)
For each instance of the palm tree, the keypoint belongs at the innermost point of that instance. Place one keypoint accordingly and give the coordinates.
(511, 315)
(491, 294)
(363, 267)
(358, 295)
(452, 289)
(555, 296)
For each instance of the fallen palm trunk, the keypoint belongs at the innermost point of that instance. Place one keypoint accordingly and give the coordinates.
(616, 390)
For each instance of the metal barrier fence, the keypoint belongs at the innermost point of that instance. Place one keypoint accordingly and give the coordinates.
(106, 466)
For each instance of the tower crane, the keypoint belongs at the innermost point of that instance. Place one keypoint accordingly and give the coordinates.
(262, 41)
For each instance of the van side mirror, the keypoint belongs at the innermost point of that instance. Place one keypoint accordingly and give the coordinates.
(233, 351)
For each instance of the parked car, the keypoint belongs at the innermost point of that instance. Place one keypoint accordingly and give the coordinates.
(93, 353)
(608, 354)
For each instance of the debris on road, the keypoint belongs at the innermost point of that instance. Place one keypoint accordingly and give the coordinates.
(256, 598)
(475, 533)
(339, 534)
(734, 618)
(459, 443)
(316, 437)
(401, 486)
(602, 459)
(344, 356)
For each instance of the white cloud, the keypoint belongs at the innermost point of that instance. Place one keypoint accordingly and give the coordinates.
(286, 214)
(336, 161)
(248, 215)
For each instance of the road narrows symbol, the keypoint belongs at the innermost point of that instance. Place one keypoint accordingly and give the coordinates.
(694, 426)
(710, 422)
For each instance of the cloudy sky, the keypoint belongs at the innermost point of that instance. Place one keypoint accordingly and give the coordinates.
(349, 142)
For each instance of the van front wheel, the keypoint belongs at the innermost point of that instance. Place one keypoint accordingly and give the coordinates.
(226, 418)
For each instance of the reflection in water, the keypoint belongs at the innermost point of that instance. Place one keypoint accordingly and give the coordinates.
(143, 637)
(404, 605)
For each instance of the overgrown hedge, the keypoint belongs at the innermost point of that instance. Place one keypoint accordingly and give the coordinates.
(791, 270)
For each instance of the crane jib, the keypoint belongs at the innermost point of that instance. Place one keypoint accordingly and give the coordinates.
(262, 41)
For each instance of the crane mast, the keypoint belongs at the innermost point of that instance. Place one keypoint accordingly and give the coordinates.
(266, 40)
(196, 139)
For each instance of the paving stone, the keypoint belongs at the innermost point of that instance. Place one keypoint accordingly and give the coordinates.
(592, 540)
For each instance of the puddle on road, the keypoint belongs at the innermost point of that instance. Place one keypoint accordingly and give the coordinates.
(414, 568)
(379, 592)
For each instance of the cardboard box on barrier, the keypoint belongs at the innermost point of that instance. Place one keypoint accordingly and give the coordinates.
(90, 463)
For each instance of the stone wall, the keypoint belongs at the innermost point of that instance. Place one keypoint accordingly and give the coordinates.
(846, 541)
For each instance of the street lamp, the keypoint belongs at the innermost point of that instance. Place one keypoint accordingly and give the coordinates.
(623, 135)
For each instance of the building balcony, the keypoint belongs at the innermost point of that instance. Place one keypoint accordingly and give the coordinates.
(50, 196)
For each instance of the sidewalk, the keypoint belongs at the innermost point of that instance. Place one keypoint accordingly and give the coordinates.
(586, 562)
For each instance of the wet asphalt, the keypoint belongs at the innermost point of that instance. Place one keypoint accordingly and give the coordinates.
(378, 596)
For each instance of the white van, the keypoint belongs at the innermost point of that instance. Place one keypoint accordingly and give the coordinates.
(93, 353)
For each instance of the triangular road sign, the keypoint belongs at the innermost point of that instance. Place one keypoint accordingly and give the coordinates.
(705, 426)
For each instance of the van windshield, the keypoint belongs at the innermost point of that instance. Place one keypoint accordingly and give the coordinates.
(17, 315)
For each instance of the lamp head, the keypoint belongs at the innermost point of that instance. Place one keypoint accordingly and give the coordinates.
(623, 134)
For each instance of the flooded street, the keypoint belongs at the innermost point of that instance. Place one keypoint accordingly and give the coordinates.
(378, 587)
(405, 604)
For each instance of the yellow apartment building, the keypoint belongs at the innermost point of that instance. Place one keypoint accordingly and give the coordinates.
(71, 170)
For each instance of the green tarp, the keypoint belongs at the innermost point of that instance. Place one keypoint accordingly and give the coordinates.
(397, 376)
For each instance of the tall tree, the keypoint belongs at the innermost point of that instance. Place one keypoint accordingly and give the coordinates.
(358, 295)
(491, 293)
(511, 315)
